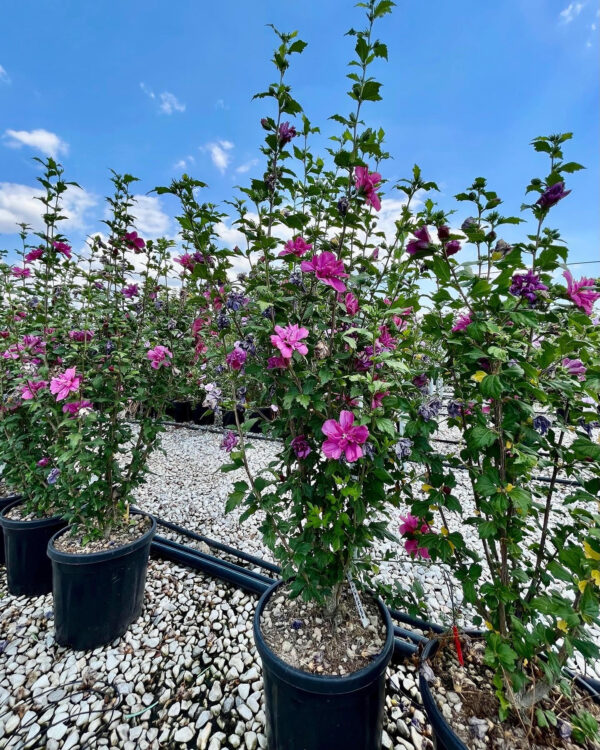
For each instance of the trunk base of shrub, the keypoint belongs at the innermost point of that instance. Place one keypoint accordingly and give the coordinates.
(462, 707)
(28, 570)
(98, 595)
(306, 711)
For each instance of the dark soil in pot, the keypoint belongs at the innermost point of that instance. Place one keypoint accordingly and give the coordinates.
(99, 588)
(28, 570)
(463, 709)
(324, 685)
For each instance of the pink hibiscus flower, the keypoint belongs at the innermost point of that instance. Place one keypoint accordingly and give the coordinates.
(31, 388)
(344, 437)
(158, 356)
(236, 358)
(289, 340)
(64, 384)
(298, 247)
(462, 322)
(277, 363)
(21, 273)
(134, 242)
(34, 254)
(367, 183)
(78, 408)
(350, 302)
(580, 292)
(62, 247)
(327, 269)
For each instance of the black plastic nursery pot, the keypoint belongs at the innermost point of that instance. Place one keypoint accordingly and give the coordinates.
(4, 503)
(443, 735)
(310, 712)
(28, 570)
(202, 416)
(98, 595)
(180, 411)
(262, 415)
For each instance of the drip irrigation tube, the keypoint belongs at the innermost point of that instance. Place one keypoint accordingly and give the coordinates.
(220, 546)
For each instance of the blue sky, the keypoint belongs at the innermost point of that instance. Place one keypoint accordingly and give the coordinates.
(143, 86)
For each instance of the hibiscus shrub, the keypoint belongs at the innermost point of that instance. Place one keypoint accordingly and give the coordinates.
(523, 382)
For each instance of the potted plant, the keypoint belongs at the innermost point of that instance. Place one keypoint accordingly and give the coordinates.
(523, 369)
(319, 338)
(34, 304)
(120, 353)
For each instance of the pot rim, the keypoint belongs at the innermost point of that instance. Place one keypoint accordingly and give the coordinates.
(90, 558)
(323, 684)
(11, 523)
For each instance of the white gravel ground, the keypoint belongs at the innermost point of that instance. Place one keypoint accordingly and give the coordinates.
(186, 675)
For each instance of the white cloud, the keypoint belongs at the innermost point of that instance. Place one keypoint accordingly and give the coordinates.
(247, 166)
(169, 103)
(150, 219)
(570, 12)
(4, 77)
(219, 153)
(18, 204)
(42, 140)
(184, 163)
(220, 104)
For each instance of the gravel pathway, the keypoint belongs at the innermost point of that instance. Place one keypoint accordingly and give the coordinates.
(186, 674)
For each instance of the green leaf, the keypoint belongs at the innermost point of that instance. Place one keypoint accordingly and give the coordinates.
(386, 425)
(491, 387)
(480, 437)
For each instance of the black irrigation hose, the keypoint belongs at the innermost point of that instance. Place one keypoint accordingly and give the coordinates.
(210, 558)
(212, 566)
(416, 623)
(220, 546)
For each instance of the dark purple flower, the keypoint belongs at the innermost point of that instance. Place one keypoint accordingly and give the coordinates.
(420, 381)
(343, 206)
(527, 285)
(403, 447)
(454, 409)
(541, 424)
(422, 241)
(552, 195)
(130, 291)
(300, 446)
(235, 301)
(286, 133)
(452, 247)
(575, 367)
(469, 223)
(222, 320)
(430, 410)
(443, 233)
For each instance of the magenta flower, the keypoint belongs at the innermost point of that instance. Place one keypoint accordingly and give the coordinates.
(35, 254)
(452, 247)
(344, 437)
(21, 273)
(158, 356)
(350, 302)
(31, 388)
(277, 363)
(386, 340)
(43, 462)
(409, 524)
(64, 384)
(62, 247)
(580, 292)
(130, 291)
(289, 340)
(367, 183)
(421, 243)
(327, 269)
(527, 285)
(229, 441)
(575, 367)
(298, 247)
(78, 408)
(462, 322)
(186, 260)
(300, 446)
(81, 336)
(377, 399)
(443, 233)
(236, 358)
(134, 242)
(413, 549)
(552, 195)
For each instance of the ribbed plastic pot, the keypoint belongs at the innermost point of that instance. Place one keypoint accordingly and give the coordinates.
(443, 736)
(4, 503)
(202, 416)
(28, 570)
(97, 596)
(309, 712)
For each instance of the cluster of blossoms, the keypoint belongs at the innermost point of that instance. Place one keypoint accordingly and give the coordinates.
(527, 286)
(411, 527)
